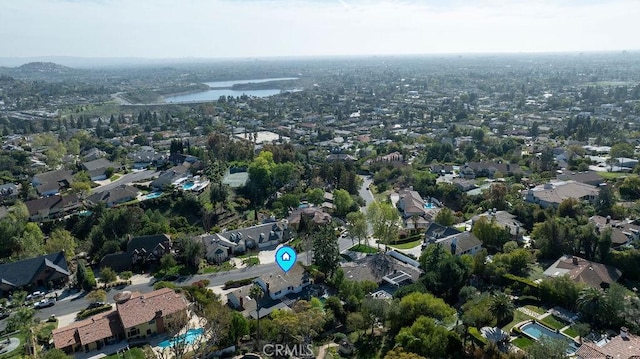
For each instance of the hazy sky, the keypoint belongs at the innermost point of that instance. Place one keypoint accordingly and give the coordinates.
(255, 28)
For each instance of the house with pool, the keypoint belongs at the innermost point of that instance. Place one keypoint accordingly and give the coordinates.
(136, 316)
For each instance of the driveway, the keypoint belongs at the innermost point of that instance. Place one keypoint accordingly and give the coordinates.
(127, 179)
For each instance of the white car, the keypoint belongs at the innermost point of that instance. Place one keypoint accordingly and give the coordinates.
(45, 303)
(36, 294)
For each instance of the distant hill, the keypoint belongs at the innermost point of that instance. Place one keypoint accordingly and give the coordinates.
(49, 67)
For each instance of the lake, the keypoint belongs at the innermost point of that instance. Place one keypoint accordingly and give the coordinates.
(222, 88)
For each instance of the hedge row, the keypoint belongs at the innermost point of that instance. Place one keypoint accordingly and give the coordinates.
(89, 312)
(477, 337)
(238, 283)
(525, 281)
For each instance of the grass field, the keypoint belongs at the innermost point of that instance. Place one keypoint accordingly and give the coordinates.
(363, 248)
(135, 353)
(407, 245)
(614, 175)
(535, 309)
(552, 322)
(522, 342)
(19, 351)
(518, 317)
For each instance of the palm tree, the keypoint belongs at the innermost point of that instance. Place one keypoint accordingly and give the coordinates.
(592, 302)
(256, 293)
(501, 307)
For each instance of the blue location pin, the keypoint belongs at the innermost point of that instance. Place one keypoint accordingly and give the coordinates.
(286, 258)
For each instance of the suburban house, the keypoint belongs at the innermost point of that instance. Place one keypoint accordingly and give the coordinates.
(553, 193)
(436, 231)
(8, 190)
(179, 159)
(381, 268)
(50, 183)
(622, 346)
(89, 334)
(49, 270)
(145, 314)
(503, 219)
(47, 208)
(146, 157)
(137, 315)
(93, 154)
(393, 158)
(488, 169)
(313, 214)
(280, 291)
(441, 169)
(168, 177)
(97, 169)
(459, 244)
(587, 177)
(112, 197)
(622, 232)
(218, 249)
(262, 236)
(584, 271)
(141, 251)
(410, 203)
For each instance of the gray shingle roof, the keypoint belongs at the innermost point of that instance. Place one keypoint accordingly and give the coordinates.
(22, 273)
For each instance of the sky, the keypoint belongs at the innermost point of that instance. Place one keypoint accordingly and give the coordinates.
(266, 28)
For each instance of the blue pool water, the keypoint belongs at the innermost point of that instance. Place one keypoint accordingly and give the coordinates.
(153, 195)
(188, 186)
(189, 337)
(429, 205)
(536, 331)
(303, 205)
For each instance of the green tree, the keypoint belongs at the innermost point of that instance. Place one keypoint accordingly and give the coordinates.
(238, 328)
(326, 253)
(343, 202)
(192, 251)
(415, 305)
(357, 225)
(108, 275)
(315, 196)
(400, 353)
(605, 200)
(167, 262)
(490, 233)
(385, 221)
(54, 353)
(547, 348)
(592, 303)
(445, 217)
(256, 293)
(61, 240)
(502, 308)
(21, 320)
(425, 338)
(98, 295)
(31, 241)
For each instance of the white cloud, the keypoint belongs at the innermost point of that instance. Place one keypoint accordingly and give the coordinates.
(226, 28)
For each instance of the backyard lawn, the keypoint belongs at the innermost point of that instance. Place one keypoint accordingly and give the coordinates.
(407, 245)
(571, 332)
(518, 317)
(19, 351)
(553, 323)
(522, 342)
(535, 308)
(363, 248)
(135, 353)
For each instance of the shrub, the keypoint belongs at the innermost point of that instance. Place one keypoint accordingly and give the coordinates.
(163, 284)
(238, 283)
(126, 275)
(89, 312)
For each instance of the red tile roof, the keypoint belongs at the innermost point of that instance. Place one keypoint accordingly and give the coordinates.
(142, 308)
(100, 326)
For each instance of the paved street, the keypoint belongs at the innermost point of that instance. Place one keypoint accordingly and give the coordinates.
(127, 179)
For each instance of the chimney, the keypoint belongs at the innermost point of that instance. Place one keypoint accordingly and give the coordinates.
(268, 288)
(159, 314)
(624, 333)
(241, 302)
(575, 260)
(608, 219)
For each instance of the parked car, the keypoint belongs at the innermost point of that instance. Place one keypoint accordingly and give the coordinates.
(35, 295)
(4, 314)
(44, 303)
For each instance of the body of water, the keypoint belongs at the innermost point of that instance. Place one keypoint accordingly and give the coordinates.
(189, 337)
(223, 88)
(536, 331)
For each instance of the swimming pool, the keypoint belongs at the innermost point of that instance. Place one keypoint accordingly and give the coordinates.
(536, 331)
(189, 337)
(152, 195)
(187, 186)
(429, 206)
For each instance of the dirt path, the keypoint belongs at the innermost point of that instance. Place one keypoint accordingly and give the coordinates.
(323, 350)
